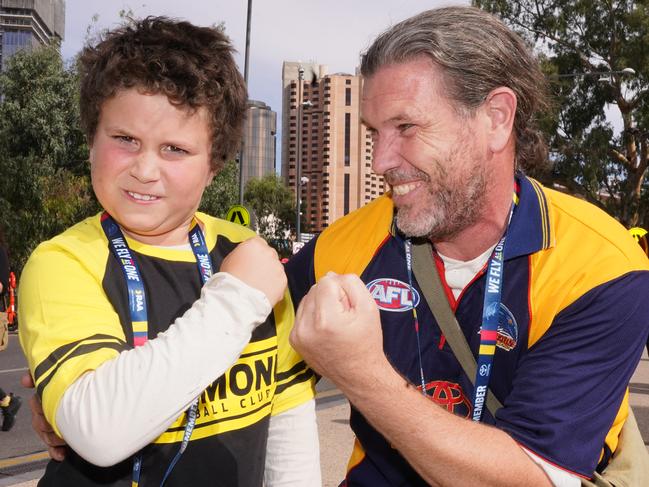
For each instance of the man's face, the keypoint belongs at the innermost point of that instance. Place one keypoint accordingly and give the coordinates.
(150, 163)
(431, 156)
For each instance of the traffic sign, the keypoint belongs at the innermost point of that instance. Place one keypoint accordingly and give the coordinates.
(239, 214)
(637, 233)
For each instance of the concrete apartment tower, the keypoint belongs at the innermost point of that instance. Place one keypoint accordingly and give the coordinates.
(259, 141)
(323, 134)
(25, 24)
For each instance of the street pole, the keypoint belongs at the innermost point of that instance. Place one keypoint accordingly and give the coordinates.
(298, 156)
(245, 78)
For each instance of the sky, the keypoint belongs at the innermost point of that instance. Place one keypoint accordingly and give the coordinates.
(330, 32)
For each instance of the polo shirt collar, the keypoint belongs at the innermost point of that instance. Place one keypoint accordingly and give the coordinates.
(529, 230)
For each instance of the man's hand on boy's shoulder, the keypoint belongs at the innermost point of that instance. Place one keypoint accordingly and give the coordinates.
(257, 264)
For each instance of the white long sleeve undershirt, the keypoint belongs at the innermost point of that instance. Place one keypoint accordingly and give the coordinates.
(293, 450)
(112, 412)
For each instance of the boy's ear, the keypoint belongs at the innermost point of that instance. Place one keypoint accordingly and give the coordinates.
(91, 153)
(210, 177)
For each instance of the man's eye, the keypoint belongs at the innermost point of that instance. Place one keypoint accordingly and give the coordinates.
(404, 127)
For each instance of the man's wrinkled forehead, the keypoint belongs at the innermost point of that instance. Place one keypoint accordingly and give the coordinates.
(399, 88)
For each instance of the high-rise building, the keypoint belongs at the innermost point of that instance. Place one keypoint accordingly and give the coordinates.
(25, 24)
(333, 149)
(259, 141)
(311, 72)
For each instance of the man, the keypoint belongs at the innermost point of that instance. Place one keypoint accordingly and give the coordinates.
(450, 97)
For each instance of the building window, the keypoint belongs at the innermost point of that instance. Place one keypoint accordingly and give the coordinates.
(346, 194)
(348, 123)
(348, 97)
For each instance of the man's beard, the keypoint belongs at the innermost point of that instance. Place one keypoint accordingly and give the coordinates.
(448, 206)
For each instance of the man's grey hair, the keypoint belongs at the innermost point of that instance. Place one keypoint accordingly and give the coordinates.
(475, 53)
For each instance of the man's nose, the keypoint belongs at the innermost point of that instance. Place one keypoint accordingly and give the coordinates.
(385, 154)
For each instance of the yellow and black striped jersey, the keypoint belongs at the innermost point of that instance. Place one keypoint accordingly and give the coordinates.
(75, 316)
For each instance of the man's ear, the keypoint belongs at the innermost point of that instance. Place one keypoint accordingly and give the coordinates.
(500, 112)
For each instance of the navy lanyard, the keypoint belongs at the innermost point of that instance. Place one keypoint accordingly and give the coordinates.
(408, 247)
(138, 311)
(489, 328)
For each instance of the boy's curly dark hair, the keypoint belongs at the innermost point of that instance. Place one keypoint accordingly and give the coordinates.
(193, 66)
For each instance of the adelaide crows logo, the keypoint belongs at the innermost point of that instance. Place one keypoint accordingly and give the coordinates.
(393, 295)
(507, 327)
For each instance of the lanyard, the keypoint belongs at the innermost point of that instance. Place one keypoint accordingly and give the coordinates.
(408, 248)
(489, 328)
(138, 311)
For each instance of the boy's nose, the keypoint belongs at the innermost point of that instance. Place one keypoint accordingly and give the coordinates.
(145, 167)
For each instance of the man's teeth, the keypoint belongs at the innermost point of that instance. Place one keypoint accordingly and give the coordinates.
(142, 197)
(401, 189)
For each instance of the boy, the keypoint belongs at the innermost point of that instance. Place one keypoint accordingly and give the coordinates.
(162, 105)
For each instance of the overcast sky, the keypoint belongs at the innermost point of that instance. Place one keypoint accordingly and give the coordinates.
(331, 32)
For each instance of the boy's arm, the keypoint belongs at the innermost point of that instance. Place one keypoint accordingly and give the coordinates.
(109, 383)
(130, 400)
(293, 450)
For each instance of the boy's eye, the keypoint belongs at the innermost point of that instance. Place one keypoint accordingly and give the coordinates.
(124, 138)
(174, 149)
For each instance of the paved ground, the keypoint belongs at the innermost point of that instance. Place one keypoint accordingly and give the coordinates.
(336, 442)
(336, 438)
(639, 399)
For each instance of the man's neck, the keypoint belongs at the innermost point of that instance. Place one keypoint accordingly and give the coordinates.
(485, 233)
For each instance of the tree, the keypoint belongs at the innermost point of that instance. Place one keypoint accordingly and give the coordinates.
(578, 37)
(45, 185)
(223, 192)
(274, 206)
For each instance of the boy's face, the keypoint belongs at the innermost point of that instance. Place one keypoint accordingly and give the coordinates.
(150, 163)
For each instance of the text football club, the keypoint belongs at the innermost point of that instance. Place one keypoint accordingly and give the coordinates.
(393, 295)
(237, 399)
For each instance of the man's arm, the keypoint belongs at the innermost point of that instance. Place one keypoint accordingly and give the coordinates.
(338, 332)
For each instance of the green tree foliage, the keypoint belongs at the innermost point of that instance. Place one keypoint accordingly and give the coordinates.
(591, 156)
(45, 184)
(274, 207)
(223, 192)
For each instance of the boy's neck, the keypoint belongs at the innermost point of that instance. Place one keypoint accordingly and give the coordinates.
(175, 238)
